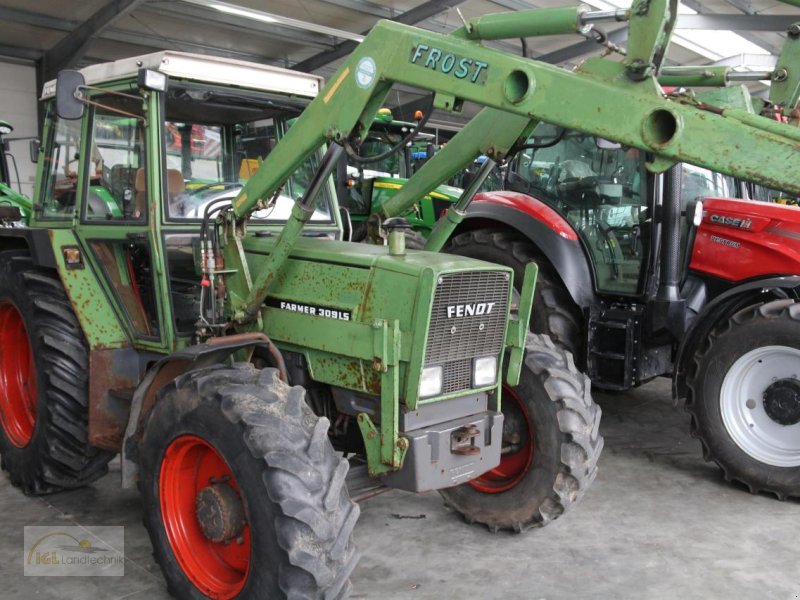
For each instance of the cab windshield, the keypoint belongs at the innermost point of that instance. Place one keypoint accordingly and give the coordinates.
(216, 139)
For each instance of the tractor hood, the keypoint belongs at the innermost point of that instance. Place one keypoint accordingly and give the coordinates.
(741, 239)
(430, 298)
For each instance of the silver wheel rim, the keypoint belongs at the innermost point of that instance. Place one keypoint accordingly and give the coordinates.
(742, 405)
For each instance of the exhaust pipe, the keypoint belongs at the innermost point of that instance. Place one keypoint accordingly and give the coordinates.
(668, 289)
(669, 310)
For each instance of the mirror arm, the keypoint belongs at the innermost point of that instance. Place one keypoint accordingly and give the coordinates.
(115, 110)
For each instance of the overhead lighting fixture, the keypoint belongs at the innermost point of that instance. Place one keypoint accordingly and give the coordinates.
(265, 17)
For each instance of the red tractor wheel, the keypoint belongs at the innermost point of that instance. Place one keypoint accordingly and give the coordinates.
(551, 443)
(17, 378)
(204, 517)
(517, 448)
(244, 496)
(44, 383)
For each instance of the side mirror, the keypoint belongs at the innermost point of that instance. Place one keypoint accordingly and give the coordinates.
(33, 147)
(604, 144)
(69, 95)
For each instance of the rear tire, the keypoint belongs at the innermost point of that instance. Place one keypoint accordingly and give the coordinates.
(554, 313)
(552, 427)
(415, 240)
(743, 394)
(253, 433)
(44, 365)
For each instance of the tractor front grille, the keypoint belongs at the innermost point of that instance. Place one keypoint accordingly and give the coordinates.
(468, 320)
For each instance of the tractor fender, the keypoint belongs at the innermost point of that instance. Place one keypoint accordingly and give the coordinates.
(212, 352)
(723, 307)
(548, 231)
(35, 241)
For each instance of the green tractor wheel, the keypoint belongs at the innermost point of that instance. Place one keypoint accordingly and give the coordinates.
(238, 471)
(551, 443)
(44, 365)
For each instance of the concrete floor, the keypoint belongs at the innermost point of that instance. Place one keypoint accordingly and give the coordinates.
(658, 523)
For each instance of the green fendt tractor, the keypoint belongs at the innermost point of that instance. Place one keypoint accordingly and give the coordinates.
(228, 352)
(146, 266)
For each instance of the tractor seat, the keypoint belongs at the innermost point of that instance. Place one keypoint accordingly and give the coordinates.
(175, 187)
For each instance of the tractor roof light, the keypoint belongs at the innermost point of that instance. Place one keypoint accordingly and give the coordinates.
(152, 80)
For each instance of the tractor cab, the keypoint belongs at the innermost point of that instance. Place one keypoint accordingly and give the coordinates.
(604, 192)
(156, 146)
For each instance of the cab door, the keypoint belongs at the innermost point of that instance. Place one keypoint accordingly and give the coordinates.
(118, 222)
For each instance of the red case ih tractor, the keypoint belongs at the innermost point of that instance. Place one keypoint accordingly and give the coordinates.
(645, 275)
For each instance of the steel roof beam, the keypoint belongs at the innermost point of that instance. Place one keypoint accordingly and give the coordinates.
(16, 52)
(410, 17)
(233, 23)
(765, 61)
(158, 43)
(14, 15)
(737, 23)
(70, 50)
(745, 7)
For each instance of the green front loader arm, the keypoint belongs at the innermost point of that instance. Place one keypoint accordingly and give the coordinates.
(622, 102)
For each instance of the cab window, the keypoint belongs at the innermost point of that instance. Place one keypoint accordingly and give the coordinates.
(698, 182)
(117, 179)
(216, 139)
(58, 194)
(597, 186)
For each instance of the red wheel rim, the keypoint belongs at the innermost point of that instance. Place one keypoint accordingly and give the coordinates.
(515, 464)
(17, 378)
(218, 569)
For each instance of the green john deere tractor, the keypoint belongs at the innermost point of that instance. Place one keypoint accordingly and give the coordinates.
(231, 355)
(367, 178)
(10, 199)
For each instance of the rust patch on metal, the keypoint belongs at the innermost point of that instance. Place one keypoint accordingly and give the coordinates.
(113, 377)
(372, 381)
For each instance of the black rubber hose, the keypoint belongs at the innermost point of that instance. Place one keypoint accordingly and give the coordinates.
(411, 134)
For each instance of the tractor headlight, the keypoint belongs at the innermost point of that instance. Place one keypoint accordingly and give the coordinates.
(430, 384)
(484, 371)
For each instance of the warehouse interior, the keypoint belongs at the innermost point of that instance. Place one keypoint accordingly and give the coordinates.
(656, 506)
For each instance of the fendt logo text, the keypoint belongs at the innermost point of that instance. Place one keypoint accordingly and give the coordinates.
(468, 310)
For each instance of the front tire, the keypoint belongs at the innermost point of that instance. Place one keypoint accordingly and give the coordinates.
(743, 394)
(243, 494)
(44, 383)
(551, 444)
